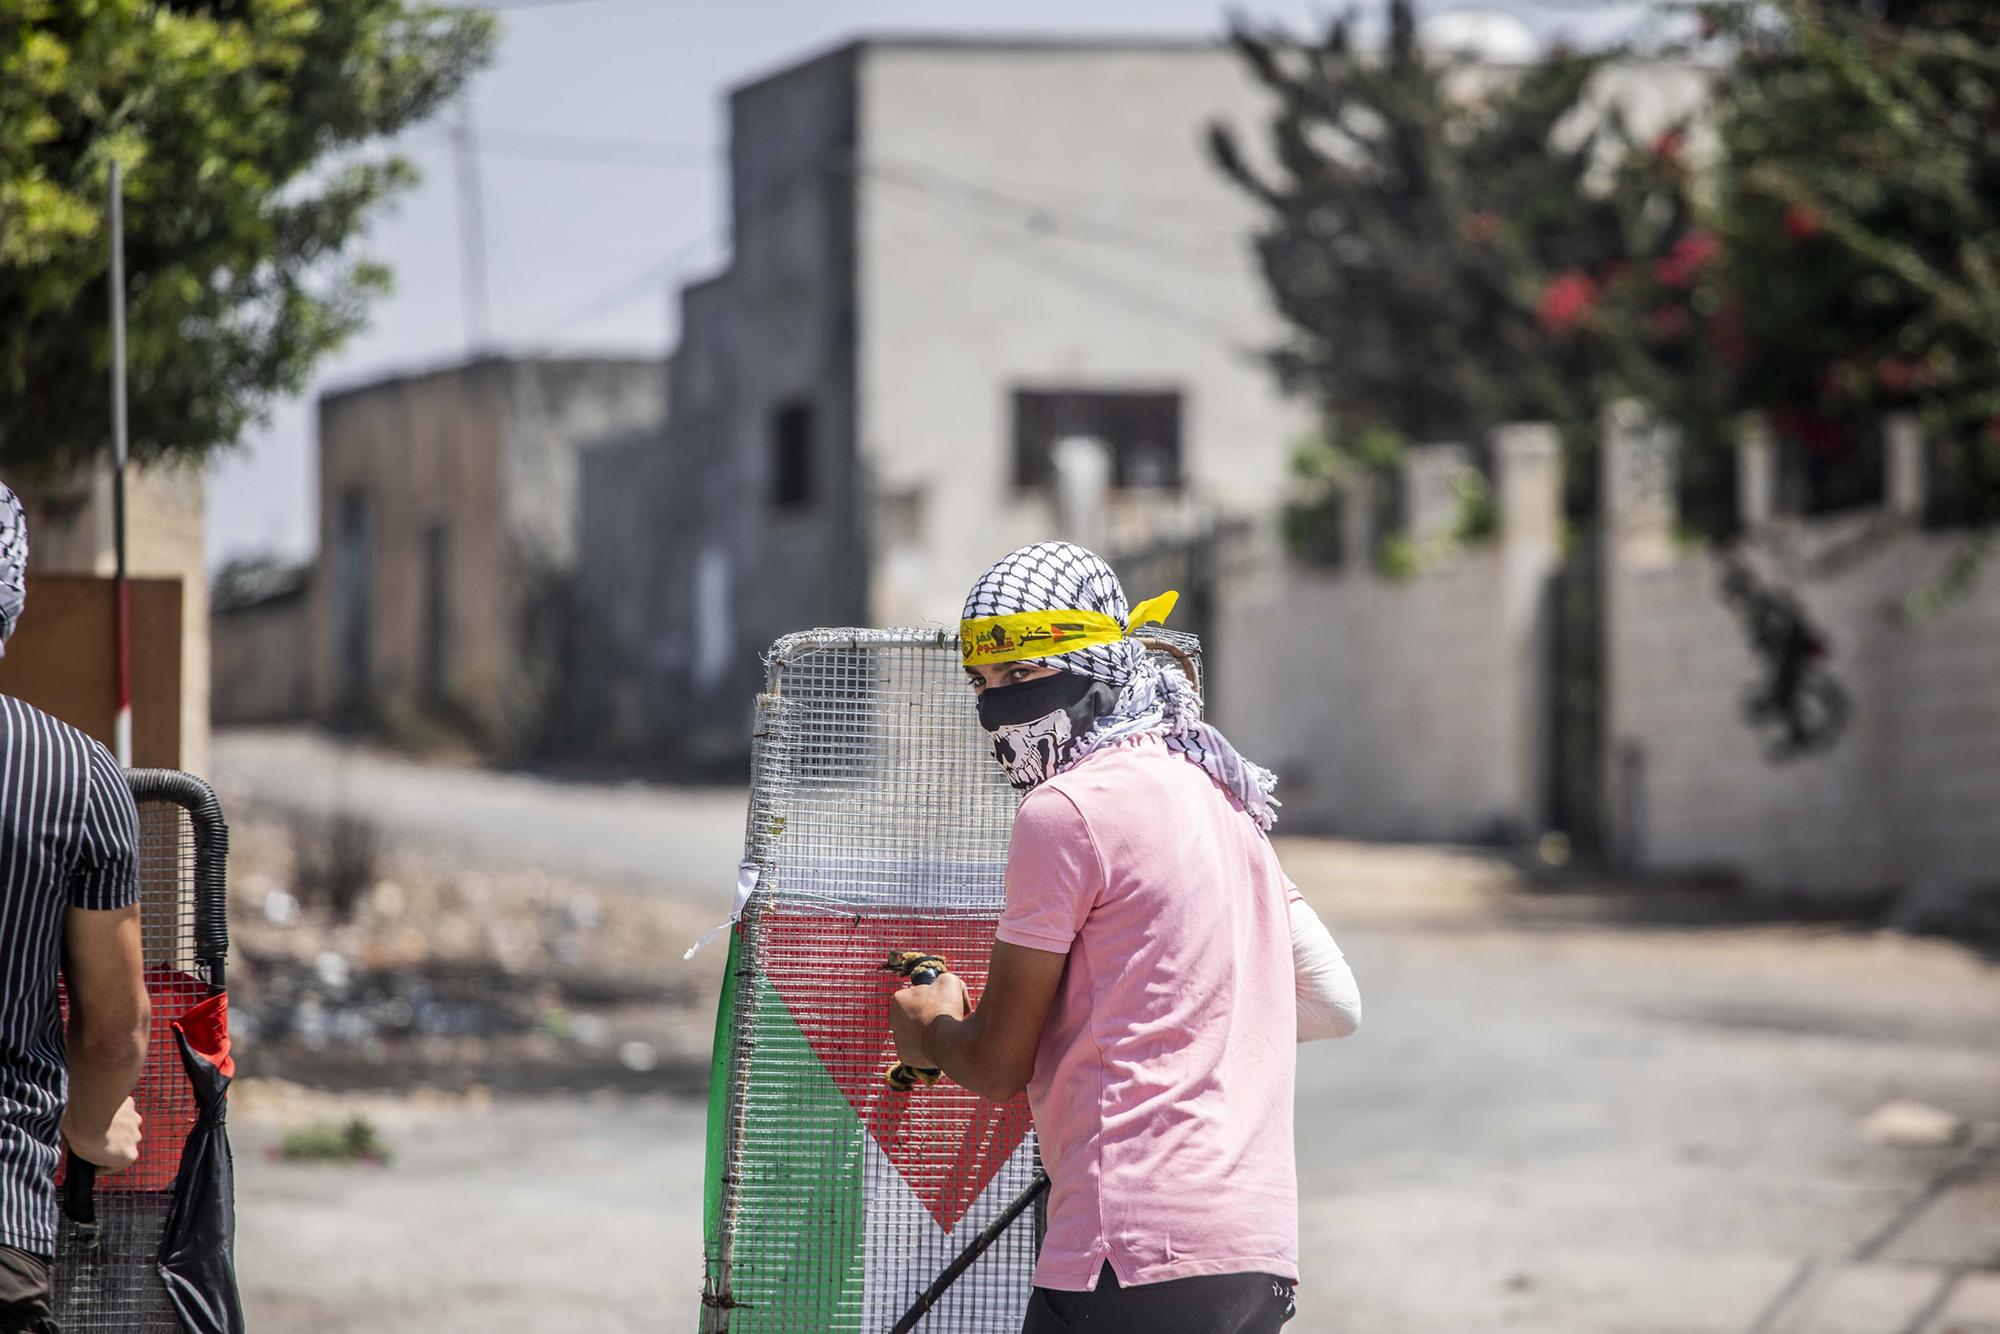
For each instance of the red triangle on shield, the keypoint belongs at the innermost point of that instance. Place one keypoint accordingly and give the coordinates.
(947, 1142)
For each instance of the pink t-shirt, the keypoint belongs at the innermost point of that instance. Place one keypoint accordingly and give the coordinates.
(1163, 1084)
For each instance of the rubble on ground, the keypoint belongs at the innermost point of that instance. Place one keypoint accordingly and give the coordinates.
(455, 977)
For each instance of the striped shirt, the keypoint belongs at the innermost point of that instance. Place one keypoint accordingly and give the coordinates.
(69, 837)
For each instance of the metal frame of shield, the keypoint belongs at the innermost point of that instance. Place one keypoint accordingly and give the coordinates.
(878, 822)
(146, 1251)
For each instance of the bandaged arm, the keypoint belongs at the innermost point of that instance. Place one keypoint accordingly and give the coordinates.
(1329, 1000)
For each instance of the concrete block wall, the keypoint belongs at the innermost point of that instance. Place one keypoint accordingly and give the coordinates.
(70, 532)
(1912, 789)
(1402, 709)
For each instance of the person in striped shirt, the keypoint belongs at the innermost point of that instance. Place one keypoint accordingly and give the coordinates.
(69, 837)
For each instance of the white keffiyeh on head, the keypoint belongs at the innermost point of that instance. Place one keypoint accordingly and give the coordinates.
(1152, 701)
(13, 563)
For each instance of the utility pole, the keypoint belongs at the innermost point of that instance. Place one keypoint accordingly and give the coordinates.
(471, 227)
(121, 633)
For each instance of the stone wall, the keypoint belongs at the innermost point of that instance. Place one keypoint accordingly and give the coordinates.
(259, 664)
(1404, 708)
(1911, 790)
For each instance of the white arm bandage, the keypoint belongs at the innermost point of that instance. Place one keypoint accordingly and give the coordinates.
(1329, 1000)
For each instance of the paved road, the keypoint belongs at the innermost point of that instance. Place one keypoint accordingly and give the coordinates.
(680, 841)
(571, 1217)
(1559, 1118)
(1555, 1120)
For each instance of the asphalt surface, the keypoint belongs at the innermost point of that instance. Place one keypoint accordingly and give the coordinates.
(660, 840)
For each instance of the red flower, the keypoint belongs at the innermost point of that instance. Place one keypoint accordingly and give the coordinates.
(1482, 226)
(1801, 223)
(1567, 301)
(1690, 255)
(1667, 321)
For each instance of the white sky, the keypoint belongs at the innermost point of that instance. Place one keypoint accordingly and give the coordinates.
(585, 256)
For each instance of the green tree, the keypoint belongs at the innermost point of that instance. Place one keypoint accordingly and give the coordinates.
(1858, 205)
(1440, 239)
(1836, 256)
(243, 128)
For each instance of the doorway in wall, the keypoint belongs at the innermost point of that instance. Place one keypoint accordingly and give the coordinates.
(354, 601)
(437, 623)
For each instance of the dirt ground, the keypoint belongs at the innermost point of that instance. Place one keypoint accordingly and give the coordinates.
(1574, 1107)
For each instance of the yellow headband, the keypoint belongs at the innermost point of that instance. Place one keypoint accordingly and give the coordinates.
(1047, 634)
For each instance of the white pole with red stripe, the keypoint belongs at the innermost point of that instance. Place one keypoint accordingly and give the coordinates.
(122, 613)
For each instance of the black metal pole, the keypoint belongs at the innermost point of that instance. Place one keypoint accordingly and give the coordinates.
(973, 1250)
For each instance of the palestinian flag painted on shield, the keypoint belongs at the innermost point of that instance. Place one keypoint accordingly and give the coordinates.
(836, 1199)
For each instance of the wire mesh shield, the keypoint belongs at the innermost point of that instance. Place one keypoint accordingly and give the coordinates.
(108, 1279)
(878, 822)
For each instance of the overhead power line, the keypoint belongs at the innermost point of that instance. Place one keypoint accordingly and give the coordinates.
(592, 150)
(656, 277)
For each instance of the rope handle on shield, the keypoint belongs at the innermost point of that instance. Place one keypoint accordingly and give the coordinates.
(921, 969)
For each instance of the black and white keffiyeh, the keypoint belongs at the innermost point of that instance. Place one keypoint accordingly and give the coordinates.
(13, 563)
(1152, 701)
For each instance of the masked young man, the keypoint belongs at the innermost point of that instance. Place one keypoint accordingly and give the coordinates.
(1152, 972)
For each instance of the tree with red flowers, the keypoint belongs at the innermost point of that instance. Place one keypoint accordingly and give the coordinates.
(1446, 257)
(1855, 271)
(1858, 201)
(1435, 242)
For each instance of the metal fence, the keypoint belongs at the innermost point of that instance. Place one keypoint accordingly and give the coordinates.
(878, 821)
(107, 1270)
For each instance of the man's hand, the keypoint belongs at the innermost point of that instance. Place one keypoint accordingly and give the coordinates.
(912, 1009)
(114, 1150)
(991, 1052)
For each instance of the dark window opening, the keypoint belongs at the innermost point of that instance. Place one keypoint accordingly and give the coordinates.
(1142, 431)
(354, 565)
(791, 455)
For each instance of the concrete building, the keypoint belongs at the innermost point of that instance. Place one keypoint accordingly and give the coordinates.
(448, 535)
(259, 630)
(950, 258)
(609, 707)
(949, 255)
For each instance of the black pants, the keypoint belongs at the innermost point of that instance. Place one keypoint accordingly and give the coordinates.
(1211, 1304)
(27, 1293)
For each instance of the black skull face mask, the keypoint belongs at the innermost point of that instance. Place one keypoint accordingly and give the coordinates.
(1036, 725)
